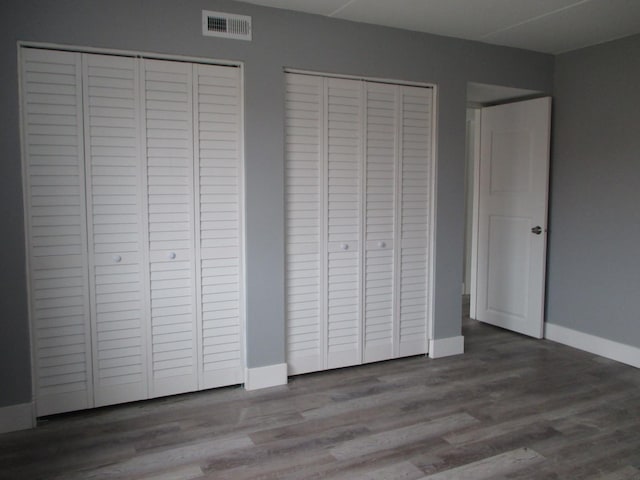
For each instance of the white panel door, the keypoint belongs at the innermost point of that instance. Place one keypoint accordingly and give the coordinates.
(56, 230)
(381, 161)
(344, 146)
(415, 221)
(514, 163)
(115, 226)
(219, 218)
(304, 206)
(168, 117)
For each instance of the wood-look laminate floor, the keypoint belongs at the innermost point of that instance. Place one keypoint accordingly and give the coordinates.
(511, 407)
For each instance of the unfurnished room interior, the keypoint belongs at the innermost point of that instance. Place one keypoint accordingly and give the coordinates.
(297, 239)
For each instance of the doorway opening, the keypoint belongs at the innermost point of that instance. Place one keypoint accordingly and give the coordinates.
(479, 97)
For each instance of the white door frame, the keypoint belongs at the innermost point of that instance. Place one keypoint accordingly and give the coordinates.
(474, 148)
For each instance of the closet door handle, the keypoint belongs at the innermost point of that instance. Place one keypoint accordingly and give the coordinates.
(172, 255)
(382, 244)
(344, 246)
(117, 258)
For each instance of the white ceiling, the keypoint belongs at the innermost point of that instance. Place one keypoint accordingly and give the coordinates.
(550, 26)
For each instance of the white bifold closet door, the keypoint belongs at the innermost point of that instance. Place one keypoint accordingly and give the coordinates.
(133, 192)
(168, 121)
(219, 271)
(57, 251)
(358, 203)
(343, 230)
(115, 225)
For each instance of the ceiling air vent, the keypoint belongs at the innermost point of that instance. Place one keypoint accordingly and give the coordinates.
(227, 25)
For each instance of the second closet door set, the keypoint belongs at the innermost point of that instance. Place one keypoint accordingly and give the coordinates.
(358, 215)
(134, 226)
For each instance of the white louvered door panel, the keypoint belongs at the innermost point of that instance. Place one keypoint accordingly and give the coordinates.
(114, 204)
(168, 109)
(344, 132)
(358, 212)
(415, 226)
(219, 238)
(380, 219)
(56, 230)
(304, 206)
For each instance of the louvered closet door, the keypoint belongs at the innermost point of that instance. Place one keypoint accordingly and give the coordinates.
(168, 118)
(415, 227)
(219, 218)
(56, 230)
(358, 203)
(380, 221)
(304, 204)
(115, 225)
(344, 144)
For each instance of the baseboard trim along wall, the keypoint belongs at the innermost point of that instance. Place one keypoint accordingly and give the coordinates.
(592, 344)
(16, 417)
(264, 377)
(446, 347)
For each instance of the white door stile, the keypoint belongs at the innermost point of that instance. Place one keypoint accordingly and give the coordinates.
(362, 227)
(242, 273)
(397, 240)
(53, 137)
(143, 168)
(197, 222)
(114, 214)
(242, 281)
(324, 228)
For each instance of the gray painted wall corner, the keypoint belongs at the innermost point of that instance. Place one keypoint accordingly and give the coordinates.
(594, 224)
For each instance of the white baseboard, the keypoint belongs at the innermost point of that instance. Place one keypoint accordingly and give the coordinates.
(264, 377)
(619, 352)
(16, 417)
(445, 347)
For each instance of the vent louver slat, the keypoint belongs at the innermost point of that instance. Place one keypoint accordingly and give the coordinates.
(227, 25)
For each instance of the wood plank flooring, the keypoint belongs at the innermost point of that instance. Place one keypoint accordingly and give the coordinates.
(511, 407)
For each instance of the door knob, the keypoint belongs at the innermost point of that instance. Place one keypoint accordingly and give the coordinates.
(537, 230)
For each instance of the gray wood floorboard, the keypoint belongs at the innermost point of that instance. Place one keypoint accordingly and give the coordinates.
(509, 408)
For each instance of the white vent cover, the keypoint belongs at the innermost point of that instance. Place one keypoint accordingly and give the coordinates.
(227, 25)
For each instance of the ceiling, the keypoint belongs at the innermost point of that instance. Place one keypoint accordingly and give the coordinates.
(550, 26)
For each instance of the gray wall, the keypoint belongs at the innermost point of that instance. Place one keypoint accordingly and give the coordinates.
(594, 260)
(280, 39)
